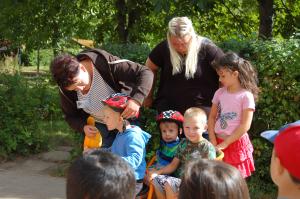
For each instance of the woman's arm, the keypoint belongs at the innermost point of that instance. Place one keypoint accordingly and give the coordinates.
(154, 68)
(170, 168)
(133, 77)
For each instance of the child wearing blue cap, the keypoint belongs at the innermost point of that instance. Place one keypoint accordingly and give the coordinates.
(285, 161)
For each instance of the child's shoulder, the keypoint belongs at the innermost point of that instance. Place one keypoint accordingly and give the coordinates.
(247, 93)
(204, 141)
(220, 91)
(137, 133)
(183, 140)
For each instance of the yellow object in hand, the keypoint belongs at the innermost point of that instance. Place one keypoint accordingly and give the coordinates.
(92, 142)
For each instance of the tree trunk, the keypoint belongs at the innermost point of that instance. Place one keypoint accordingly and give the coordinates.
(122, 20)
(266, 12)
(38, 61)
(55, 38)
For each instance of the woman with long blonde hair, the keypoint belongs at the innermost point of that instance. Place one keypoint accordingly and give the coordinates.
(187, 78)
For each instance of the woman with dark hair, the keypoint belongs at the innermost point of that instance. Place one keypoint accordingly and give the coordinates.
(90, 77)
(212, 179)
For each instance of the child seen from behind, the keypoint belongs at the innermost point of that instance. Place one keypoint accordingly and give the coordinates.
(285, 160)
(212, 179)
(232, 111)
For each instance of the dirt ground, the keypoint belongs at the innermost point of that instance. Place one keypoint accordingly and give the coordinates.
(34, 177)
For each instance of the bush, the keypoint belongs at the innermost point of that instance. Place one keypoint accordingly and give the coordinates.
(134, 52)
(23, 105)
(277, 63)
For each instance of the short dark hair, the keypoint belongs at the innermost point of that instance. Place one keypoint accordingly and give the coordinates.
(64, 68)
(100, 174)
(212, 179)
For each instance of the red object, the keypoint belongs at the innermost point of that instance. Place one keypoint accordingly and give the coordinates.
(118, 100)
(287, 149)
(170, 115)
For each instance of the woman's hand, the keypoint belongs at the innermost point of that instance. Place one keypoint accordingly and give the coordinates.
(90, 131)
(148, 102)
(131, 109)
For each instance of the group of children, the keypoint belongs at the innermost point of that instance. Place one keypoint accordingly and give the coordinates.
(183, 149)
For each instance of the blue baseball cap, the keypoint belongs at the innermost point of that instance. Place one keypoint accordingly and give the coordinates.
(286, 142)
(272, 134)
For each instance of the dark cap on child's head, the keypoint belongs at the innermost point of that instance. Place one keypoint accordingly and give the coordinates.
(287, 146)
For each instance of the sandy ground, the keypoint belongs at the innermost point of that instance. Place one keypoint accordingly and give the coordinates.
(32, 177)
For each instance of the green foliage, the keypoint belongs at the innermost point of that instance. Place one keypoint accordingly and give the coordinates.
(286, 18)
(52, 24)
(277, 63)
(134, 52)
(46, 55)
(149, 124)
(23, 105)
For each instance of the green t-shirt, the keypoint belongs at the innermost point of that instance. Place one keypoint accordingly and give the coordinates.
(187, 151)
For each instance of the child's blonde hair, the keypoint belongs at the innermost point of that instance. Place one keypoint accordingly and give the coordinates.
(196, 112)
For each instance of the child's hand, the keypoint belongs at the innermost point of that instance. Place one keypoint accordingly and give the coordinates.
(222, 146)
(152, 174)
(90, 131)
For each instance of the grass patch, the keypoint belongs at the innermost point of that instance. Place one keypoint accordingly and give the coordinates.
(58, 133)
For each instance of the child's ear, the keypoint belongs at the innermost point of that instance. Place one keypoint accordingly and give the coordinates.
(236, 73)
(280, 168)
(180, 131)
(82, 67)
(276, 164)
(121, 119)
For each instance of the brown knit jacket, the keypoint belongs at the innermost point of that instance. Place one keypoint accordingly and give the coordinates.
(126, 77)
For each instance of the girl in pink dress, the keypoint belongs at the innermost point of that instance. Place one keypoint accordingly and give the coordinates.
(232, 111)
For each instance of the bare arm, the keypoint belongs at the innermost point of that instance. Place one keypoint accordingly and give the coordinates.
(154, 68)
(245, 125)
(211, 124)
(170, 168)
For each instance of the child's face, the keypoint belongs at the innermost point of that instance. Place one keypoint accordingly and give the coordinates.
(193, 128)
(112, 118)
(227, 77)
(169, 131)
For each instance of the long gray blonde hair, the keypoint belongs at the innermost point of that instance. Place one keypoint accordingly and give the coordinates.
(180, 27)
